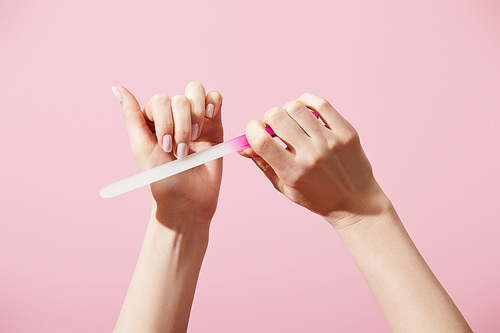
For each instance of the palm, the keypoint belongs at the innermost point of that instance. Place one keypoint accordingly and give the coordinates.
(197, 187)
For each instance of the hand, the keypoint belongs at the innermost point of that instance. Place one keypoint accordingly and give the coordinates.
(323, 167)
(173, 128)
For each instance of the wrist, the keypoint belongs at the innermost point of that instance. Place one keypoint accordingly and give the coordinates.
(181, 220)
(186, 231)
(378, 207)
(186, 243)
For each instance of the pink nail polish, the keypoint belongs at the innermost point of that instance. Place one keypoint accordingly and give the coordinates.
(210, 110)
(117, 94)
(181, 151)
(194, 132)
(167, 143)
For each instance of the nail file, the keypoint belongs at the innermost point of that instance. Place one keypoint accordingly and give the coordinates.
(175, 167)
(172, 168)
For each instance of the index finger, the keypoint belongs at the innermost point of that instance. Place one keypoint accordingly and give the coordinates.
(266, 147)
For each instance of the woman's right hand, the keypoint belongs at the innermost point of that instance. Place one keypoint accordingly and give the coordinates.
(323, 167)
(325, 170)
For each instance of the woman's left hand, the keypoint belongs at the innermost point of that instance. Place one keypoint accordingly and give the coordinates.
(169, 128)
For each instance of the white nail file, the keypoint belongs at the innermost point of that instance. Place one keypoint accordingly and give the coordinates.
(174, 167)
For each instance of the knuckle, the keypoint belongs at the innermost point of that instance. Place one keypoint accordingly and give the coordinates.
(342, 141)
(305, 95)
(260, 143)
(179, 100)
(160, 99)
(315, 101)
(182, 133)
(199, 110)
(322, 103)
(273, 112)
(258, 138)
(353, 137)
(332, 144)
(349, 138)
(165, 126)
(197, 115)
(294, 106)
(314, 159)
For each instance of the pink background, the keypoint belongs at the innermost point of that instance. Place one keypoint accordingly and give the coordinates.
(418, 79)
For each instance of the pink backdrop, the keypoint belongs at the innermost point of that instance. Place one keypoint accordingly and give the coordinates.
(418, 79)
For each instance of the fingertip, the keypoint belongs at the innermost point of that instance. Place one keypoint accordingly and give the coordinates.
(215, 96)
(247, 152)
(125, 94)
(241, 153)
(213, 102)
(121, 89)
(135, 122)
(127, 100)
(117, 93)
(194, 86)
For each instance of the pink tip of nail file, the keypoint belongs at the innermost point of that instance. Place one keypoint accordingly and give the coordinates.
(172, 168)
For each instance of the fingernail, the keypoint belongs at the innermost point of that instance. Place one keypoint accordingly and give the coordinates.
(181, 151)
(167, 143)
(194, 131)
(117, 94)
(210, 110)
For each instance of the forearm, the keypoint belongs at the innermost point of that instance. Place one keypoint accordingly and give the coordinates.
(410, 296)
(161, 292)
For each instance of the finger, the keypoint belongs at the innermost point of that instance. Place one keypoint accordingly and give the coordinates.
(327, 112)
(213, 102)
(195, 92)
(159, 111)
(304, 118)
(247, 152)
(266, 169)
(269, 150)
(286, 128)
(181, 110)
(137, 129)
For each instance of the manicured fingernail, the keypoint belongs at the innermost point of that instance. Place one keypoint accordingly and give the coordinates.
(181, 151)
(210, 110)
(117, 94)
(194, 131)
(167, 143)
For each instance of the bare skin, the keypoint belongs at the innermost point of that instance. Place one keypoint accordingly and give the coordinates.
(323, 168)
(162, 288)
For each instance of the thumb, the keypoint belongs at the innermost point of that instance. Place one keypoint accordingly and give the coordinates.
(137, 128)
(264, 166)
